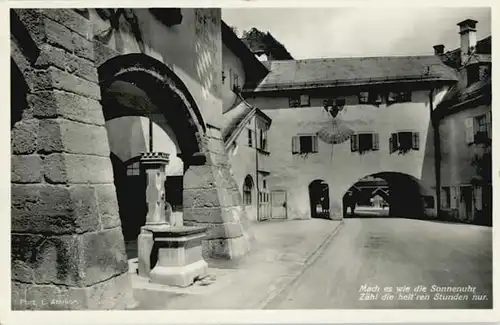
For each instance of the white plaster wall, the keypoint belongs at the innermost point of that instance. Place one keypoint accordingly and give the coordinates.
(337, 165)
(231, 64)
(242, 162)
(128, 137)
(192, 51)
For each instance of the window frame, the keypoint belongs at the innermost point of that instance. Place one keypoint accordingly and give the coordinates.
(355, 144)
(249, 138)
(297, 147)
(247, 190)
(415, 141)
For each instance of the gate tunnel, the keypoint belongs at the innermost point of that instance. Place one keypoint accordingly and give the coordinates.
(401, 192)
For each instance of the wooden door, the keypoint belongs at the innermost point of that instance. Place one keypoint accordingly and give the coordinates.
(466, 202)
(278, 204)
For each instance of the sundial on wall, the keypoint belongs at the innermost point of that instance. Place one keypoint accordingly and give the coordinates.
(336, 130)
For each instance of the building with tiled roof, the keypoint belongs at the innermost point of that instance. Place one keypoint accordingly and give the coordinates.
(337, 120)
(463, 123)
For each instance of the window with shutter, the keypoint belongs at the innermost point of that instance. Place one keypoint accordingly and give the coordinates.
(469, 130)
(354, 142)
(415, 141)
(375, 143)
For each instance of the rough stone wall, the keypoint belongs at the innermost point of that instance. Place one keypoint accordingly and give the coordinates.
(211, 198)
(67, 245)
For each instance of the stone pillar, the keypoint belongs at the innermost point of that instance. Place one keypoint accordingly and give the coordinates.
(212, 199)
(336, 208)
(154, 165)
(67, 246)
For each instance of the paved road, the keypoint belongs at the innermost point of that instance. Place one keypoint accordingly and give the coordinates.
(387, 252)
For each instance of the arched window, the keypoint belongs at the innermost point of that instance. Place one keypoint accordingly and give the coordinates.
(247, 190)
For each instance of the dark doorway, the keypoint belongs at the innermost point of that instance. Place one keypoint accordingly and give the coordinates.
(319, 197)
(130, 183)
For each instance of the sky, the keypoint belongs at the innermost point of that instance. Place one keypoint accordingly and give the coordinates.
(361, 31)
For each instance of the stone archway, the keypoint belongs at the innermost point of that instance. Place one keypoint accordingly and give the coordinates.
(138, 85)
(156, 89)
(403, 193)
(319, 199)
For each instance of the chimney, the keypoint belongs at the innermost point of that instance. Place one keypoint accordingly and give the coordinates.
(438, 49)
(467, 39)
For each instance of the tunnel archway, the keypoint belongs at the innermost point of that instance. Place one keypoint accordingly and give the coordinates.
(400, 195)
(319, 199)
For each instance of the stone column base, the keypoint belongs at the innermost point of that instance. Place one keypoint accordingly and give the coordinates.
(180, 259)
(180, 276)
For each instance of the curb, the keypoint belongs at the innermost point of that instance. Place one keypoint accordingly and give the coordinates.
(273, 300)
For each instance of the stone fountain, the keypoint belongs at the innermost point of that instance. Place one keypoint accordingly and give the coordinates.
(175, 247)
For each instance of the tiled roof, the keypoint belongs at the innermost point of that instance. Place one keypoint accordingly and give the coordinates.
(234, 117)
(314, 73)
(461, 93)
(452, 58)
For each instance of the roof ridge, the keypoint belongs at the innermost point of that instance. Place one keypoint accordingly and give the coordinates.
(357, 57)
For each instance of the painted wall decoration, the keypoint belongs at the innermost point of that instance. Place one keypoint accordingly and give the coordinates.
(208, 46)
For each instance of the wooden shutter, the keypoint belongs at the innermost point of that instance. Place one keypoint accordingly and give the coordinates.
(354, 143)
(478, 197)
(375, 141)
(415, 145)
(488, 124)
(393, 142)
(295, 144)
(314, 143)
(304, 100)
(469, 130)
